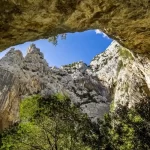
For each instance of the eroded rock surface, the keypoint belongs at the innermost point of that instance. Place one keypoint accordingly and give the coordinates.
(126, 74)
(116, 76)
(128, 22)
(21, 77)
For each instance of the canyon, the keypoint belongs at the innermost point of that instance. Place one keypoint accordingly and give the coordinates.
(116, 76)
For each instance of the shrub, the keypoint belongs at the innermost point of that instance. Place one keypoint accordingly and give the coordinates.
(50, 123)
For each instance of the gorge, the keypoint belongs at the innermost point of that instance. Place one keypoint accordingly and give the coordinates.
(118, 77)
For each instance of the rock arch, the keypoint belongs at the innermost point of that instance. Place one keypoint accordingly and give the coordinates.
(126, 21)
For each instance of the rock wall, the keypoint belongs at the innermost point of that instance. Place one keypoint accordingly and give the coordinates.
(116, 76)
(126, 74)
(128, 22)
(21, 77)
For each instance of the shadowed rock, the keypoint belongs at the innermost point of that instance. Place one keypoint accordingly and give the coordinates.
(128, 22)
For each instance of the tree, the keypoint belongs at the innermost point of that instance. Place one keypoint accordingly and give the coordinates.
(55, 123)
(54, 39)
(50, 124)
(127, 129)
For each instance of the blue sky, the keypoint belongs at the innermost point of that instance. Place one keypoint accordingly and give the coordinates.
(77, 46)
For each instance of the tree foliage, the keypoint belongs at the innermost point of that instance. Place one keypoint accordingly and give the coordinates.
(54, 39)
(127, 129)
(55, 123)
(50, 124)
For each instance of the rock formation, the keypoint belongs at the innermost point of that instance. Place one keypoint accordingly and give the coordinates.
(21, 77)
(117, 75)
(126, 74)
(128, 22)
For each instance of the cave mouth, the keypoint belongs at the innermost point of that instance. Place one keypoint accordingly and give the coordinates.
(79, 46)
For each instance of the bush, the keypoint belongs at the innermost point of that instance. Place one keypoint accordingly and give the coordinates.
(126, 129)
(50, 123)
(55, 123)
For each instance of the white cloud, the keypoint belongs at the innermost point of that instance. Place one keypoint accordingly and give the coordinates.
(100, 32)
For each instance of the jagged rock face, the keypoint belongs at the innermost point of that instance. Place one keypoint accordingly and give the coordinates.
(116, 76)
(128, 22)
(126, 74)
(21, 77)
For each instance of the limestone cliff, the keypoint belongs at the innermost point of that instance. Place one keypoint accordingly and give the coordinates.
(22, 77)
(126, 74)
(117, 75)
(128, 22)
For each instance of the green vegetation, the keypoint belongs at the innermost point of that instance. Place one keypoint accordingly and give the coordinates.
(50, 124)
(71, 65)
(54, 39)
(112, 106)
(55, 123)
(126, 86)
(126, 54)
(120, 65)
(127, 129)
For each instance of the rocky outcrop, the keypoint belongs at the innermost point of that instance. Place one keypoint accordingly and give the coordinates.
(128, 22)
(116, 76)
(21, 77)
(126, 74)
